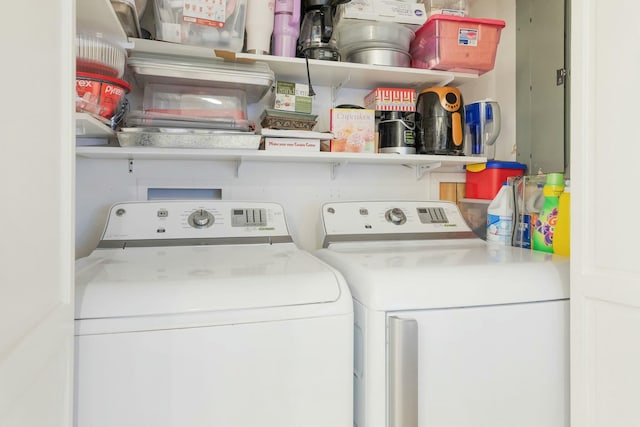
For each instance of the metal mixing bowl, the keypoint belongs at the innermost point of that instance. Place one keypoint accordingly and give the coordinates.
(380, 56)
(372, 34)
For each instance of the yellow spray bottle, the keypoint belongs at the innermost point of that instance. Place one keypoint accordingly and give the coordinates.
(562, 232)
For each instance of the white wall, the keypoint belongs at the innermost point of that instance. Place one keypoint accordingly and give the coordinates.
(499, 84)
(300, 188)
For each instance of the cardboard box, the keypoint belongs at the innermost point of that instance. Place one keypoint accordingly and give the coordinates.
(391, 99)
(353, 130)
(292, 97)
(411, 14)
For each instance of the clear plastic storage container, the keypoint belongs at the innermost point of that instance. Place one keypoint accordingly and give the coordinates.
(254, 79)
(96, 54)
(474, 212)
(456, 44)
(218, 25)
(194, 102)
(100, 95)
(447, 7)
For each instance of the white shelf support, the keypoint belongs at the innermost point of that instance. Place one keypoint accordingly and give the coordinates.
(335, 166)
(344, 83)
(446, 81)
(335, 90)
(238, 166)
(130, 165)
(422, 169)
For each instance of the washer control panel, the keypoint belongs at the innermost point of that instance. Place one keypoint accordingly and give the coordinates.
(394, 217)
(150, 220)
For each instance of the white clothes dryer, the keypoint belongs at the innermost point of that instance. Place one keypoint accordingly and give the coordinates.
(449, 331)
(205, 313)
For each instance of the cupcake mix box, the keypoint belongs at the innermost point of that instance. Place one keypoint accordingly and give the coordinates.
(353, 130)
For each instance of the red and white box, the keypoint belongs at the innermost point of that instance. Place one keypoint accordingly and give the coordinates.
(391, 99)
(354, 130)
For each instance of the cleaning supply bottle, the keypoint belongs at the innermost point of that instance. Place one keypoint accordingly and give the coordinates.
(527, 205)
(500, 216)
(546, 222)
(562, 233)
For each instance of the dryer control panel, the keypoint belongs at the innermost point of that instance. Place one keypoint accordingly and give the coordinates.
(153, 220)
(367, 220)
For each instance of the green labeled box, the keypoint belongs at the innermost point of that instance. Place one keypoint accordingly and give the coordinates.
(292, 97)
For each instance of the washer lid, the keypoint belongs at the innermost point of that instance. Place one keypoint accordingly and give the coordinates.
(191, 279)
(447, 273)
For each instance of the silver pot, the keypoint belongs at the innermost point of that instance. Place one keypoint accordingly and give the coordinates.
(380, 56)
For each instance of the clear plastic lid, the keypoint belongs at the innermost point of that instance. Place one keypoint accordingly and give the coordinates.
(254, 78)
(98, 55)
(154, 119)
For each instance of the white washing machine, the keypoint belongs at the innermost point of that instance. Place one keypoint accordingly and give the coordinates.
(449, 331)
(194, 314)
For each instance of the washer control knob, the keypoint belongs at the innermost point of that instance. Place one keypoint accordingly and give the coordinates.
(395, 216)
(201, 219)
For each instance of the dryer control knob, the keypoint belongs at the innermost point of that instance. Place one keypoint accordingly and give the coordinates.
(201, 219)
(395, 216)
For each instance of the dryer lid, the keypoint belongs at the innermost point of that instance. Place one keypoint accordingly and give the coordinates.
(190, 279)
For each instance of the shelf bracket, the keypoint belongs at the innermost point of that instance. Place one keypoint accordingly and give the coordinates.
(238, 167)
(130, 165)
(447, 80)
(335, 90)
(425, 168)
(334, 168)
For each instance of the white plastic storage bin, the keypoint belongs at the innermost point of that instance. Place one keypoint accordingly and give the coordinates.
(194, 102)
(218, 25)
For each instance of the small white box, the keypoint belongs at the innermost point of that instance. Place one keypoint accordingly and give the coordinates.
(411, 14)
(291, 144)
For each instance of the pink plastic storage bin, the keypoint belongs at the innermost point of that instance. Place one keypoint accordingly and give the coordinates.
(457, 44)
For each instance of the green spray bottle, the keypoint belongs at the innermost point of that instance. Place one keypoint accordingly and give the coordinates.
(546, 221)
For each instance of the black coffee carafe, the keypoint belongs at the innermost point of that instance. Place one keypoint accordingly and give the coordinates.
(314, 41)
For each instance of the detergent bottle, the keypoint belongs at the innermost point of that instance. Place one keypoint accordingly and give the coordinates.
(562, 233)
(500, 216)
(546, 222)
